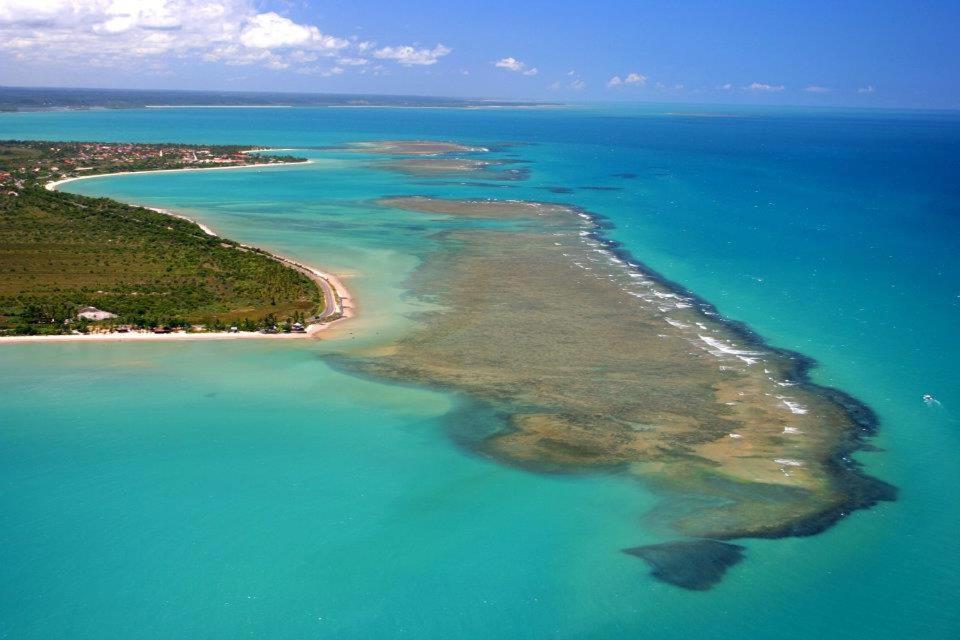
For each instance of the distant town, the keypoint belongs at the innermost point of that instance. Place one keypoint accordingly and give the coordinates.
(24, 164)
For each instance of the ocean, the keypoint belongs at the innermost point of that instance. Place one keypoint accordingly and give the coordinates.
(262, 489)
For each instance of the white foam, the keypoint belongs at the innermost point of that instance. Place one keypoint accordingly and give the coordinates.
(721, 348)
(788, 462)
(676, 323)
(791, 430)
(795, 407)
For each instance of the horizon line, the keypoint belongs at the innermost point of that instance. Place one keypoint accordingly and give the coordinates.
(474, 99)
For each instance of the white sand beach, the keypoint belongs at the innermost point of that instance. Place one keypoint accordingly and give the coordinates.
(53, 185)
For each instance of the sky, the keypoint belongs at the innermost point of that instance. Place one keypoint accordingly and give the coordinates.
(841, 53)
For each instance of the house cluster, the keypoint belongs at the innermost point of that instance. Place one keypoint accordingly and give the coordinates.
(10, 185)
(94, 314)
(134, 154)
(71, 159)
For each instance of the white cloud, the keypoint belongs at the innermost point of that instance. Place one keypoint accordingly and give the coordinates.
(762, 86)
(726, 87)
(633, 78)
(270, 30)
(867, 89)
(509, 63)
(408, 55)
(578, 85)
(817, 89)
(273, 31)
(141, 34)
(512, 64)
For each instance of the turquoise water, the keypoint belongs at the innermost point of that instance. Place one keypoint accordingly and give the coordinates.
(226, 490)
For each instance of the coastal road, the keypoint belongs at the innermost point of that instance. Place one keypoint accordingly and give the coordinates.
(331, 301)
(330, 304)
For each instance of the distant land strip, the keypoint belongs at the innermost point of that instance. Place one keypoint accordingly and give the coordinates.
(47, 98)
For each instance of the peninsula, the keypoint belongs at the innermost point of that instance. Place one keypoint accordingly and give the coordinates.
(72, 266)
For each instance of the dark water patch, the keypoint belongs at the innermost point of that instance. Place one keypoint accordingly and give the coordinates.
(696, 565)
(561, 190)
(600, 188)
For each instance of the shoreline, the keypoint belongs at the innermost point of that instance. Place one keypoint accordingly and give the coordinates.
(54, 184)
(335, 294)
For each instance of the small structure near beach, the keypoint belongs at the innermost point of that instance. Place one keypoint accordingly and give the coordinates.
(92, 313)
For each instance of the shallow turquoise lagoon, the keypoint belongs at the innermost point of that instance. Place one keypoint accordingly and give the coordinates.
(251, 489)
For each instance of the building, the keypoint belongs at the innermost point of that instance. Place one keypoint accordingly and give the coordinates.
(92, 313)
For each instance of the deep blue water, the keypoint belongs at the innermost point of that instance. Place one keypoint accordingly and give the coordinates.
(226, 490)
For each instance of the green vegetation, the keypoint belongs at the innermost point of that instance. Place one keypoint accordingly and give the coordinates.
(61, 252)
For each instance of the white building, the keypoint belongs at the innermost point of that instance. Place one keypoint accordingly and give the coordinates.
(92, 313)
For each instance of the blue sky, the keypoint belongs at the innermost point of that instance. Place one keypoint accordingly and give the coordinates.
(882, 53)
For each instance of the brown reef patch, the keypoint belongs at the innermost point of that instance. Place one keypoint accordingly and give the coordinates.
(599, 365)
(414, 147)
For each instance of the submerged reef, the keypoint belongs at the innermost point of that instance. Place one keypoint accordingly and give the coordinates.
(587, 361)
(432, 159)
(454, 166)
(691, 564)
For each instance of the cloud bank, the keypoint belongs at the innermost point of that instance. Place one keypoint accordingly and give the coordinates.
(764, 87)
(122, 33)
